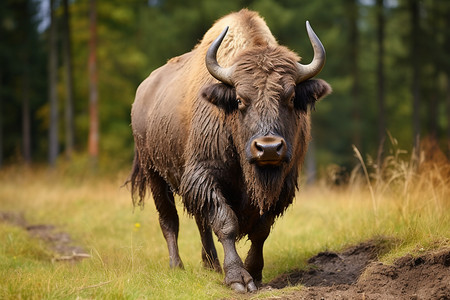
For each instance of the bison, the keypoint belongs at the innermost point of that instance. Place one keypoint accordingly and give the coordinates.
(226, 126)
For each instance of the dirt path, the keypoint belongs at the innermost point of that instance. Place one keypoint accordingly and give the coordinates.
(58, 241)
(354, 274)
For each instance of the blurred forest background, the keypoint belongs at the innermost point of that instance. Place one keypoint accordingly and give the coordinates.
(69, 70)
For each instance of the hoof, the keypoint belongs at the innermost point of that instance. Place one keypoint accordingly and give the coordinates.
(240, 280)
(176, 264)
(238, 287)
(251, 287)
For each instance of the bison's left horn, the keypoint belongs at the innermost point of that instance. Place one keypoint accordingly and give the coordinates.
(222, 74)
(308, 71)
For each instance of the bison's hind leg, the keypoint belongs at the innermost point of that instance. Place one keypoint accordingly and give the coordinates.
(209, 253)
(168, 216)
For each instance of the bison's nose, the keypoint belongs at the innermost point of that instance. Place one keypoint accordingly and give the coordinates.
(268, 150)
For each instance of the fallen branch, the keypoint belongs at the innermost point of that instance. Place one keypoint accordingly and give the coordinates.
(94, 286)
(75, 256)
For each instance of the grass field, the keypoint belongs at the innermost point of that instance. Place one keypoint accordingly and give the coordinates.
(406, 202)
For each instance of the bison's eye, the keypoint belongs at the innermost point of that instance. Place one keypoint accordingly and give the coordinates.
(291, 99)
(289, 95)
(240, 103)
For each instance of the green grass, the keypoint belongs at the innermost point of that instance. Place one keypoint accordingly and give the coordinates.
(411, 208)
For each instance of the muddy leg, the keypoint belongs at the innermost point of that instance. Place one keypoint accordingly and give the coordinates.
(254, 262)
(225, 225)
(209, 253)
(168, 217)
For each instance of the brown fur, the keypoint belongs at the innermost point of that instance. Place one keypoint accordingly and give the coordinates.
(190, 131)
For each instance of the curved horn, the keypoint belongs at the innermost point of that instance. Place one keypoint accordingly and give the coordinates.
(308, 71)
(222, 74)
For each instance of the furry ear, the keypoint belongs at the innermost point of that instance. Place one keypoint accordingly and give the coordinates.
(309, 91)
(221, 95)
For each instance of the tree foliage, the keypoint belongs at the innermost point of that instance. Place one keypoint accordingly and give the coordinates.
(135, 37)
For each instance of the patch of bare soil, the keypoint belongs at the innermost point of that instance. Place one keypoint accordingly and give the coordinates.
(58, 241)
(354, 274)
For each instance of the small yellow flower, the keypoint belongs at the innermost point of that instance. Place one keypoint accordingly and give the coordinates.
(136, 227)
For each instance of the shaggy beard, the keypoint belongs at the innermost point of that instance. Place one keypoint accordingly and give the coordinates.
(264, 185)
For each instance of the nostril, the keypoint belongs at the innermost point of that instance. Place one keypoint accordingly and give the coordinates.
(259, 147)
(280, 146)
(282, 149)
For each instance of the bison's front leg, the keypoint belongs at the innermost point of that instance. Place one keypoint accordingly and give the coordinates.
(202, 197)
(225, 225)
(254, 262)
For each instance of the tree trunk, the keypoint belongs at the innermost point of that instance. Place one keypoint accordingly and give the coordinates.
(354, 71)
(448, 113)
(53, 65)
(380, 73)
(1, 119)
(69, 111)
(93, 91)
(415, 62)
(26, 122)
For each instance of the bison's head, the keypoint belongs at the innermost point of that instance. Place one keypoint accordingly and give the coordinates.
(265, 95)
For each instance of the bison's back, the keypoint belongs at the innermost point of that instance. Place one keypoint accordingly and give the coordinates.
(160, 119)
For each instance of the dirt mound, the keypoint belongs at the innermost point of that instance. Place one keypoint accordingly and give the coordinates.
(59, 241)
(353, 274)
(331, 268)
(423, 277)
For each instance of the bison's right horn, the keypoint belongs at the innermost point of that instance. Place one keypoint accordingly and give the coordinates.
(308, 71)
(222, 74)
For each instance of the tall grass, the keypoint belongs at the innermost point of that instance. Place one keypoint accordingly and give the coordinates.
(409, 204)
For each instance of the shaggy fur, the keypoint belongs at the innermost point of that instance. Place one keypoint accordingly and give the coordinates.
(192, 136)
